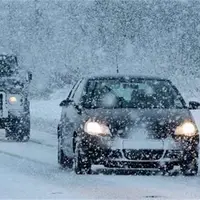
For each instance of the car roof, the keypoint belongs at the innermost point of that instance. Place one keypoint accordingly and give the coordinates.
(118, 76)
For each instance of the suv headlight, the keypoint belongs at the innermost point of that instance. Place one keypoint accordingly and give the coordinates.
(15, 100)
(186, 129)
(95, 128)
(12, 100)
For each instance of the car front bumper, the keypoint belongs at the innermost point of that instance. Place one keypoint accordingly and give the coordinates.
(12, 118)
(101, 153)
(138, 159)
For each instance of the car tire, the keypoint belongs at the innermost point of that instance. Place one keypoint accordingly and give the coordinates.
(63, 160)
(82, 163)
(190, 169)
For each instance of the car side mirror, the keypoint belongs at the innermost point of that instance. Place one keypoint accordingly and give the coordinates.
(79, 109)
(66, 102)
(194, 105)
(29, 76)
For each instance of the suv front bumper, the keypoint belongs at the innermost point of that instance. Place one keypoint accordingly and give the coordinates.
(6, 122)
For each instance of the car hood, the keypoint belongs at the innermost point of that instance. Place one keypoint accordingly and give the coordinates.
(126, 123)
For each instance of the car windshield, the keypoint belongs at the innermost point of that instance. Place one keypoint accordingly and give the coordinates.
(137, 93)
(8, 66)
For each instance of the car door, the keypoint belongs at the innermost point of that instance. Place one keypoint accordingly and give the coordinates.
(70, 119)
(64, 110)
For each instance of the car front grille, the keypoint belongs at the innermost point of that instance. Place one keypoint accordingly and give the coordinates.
(144, 154)
(173, 154)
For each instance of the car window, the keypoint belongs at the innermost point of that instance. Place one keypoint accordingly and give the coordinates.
(76, 88)
(132, 94)
(79, 91)
(8, 65)
(71, 94)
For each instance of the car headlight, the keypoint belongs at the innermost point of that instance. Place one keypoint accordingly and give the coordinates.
(186, 129)
(12, 100)
(95, 128)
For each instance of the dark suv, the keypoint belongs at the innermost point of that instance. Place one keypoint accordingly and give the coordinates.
(14, 99)
(127, 122)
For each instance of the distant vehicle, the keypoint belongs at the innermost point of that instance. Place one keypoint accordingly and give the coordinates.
(127, 122)
(14, 99)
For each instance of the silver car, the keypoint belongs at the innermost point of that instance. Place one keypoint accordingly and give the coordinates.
(127, 122)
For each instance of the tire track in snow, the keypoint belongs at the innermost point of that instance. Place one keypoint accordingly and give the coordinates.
(22, 157)
(95, 184)
(25, 158)
(86, 187)
(30, 141)
(41, 143)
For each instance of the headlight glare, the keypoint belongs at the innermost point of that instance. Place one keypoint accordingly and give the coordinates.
(186, 129)
(95, 128)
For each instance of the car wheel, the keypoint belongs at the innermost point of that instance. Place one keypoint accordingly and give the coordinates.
(82, 163)
(190, 169)
(63, 160)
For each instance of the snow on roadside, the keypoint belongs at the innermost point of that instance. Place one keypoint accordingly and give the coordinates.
(49, 108)
(45, 109)
(45, 114)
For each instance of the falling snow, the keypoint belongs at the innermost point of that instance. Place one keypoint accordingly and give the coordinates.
(137, 123)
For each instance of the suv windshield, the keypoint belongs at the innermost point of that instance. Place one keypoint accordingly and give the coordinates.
(135, 93)
(8, 66)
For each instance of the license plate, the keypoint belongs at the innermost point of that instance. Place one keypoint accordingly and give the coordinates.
(144, 144)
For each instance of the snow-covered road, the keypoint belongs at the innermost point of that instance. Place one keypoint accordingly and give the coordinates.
(30, 170)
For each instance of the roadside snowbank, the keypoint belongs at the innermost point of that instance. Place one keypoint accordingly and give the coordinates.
(45, 114)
